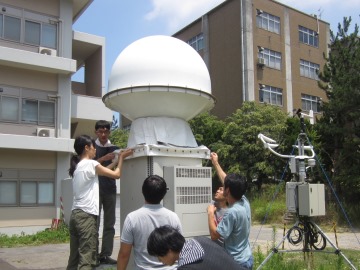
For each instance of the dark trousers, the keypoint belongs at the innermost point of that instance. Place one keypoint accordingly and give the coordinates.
(83, 240)
(108, 205)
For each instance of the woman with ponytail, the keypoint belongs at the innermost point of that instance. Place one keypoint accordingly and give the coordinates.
(83, 221)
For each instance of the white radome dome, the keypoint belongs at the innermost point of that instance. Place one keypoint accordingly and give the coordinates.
(159, 76)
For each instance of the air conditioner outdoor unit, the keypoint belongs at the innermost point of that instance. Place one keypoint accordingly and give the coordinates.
(45, 132)
(47, 51)
(261, 62)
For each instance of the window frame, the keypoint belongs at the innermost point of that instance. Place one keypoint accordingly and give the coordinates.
(309, 69)
(197, 42)
(22, 95)
(37, 177)
(311, 100)
(273, 93)
(264, 20)
(31, 17)
(273, 59)
(308, 36)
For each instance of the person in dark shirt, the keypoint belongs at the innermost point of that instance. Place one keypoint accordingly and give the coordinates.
(107, 188)
(200, 252)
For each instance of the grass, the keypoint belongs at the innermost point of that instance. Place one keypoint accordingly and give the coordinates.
(328, 259)
(48, 236)
(307, 260)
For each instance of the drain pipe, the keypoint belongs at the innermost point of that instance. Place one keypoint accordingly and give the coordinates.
(242, 51)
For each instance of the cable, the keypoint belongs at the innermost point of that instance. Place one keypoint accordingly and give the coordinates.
(334, 192)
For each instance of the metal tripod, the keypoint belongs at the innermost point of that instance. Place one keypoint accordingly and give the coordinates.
(304, 231)
(311, 236)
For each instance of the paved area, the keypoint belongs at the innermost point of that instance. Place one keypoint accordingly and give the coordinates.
(54, 257)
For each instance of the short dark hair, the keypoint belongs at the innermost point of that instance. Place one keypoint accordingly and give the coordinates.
(163, 239)
(237, 185)
(102, 124)
(154, 189)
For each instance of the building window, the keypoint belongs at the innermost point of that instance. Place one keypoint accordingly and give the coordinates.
(8, 193)
(271, 58)
(9, 109)
(40, 34)
(268, 22)
(36, 29)
(309, 102)
(35, 111)
(49, 35)
(27, 188)
(12, 28)
(309, 69)
(197, 42)
(271, 95)
(38, 112)
(308, 36)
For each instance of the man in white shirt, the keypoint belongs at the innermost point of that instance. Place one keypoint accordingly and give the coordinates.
(140, 223)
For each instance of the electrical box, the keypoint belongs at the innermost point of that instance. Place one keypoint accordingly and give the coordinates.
(311, 200)
(190, 192)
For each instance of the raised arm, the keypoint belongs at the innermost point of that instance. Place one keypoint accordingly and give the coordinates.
(220, 172)
(214, 235)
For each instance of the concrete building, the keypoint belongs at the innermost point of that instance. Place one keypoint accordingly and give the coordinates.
(41, 109)
(263, 51)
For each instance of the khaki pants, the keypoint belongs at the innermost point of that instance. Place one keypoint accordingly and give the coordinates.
(83, 241)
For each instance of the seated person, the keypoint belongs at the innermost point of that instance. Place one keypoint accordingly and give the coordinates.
(170, 246)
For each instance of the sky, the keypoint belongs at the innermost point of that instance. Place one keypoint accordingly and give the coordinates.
(122, 22)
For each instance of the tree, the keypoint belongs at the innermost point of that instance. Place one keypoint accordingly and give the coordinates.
(240, 149)
(119, 137)
(207, 129)
(339, 127)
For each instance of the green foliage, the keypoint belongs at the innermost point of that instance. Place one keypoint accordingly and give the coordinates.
(48, 236)
(241, 151)
(339, 128)
(268, 205)
(207, 129)
(119, 137)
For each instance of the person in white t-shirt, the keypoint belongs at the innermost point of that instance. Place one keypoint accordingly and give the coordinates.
(83, 221)
(140, 223)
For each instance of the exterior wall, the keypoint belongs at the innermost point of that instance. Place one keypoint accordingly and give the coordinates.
(26, 157)
(224, 56)
(94, 75)
(28, 79)
(272, 41)
(232, 40)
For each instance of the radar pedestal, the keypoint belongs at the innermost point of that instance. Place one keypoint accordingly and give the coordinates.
(159, 83)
